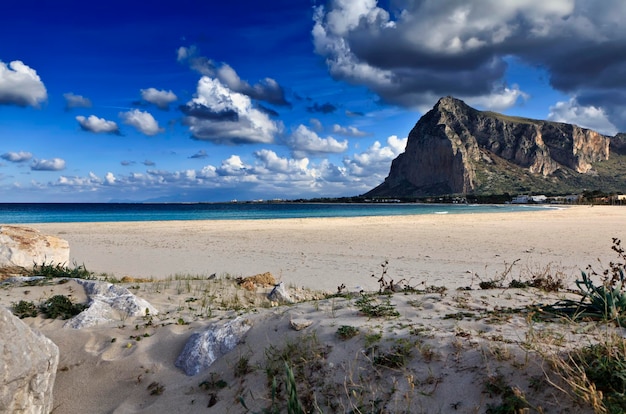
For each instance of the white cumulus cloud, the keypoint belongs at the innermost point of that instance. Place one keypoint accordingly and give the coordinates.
(221, 115)
(17, 156)
(20, 85)
(109, 178)
(348, 131)
(97, 125)
(376, 160)
(271, 162)
(54, 164)
(233, 165)
(143, 121)
(303, 141)
(590, 117)
(76, 101)
(499, 100)
(161, 98)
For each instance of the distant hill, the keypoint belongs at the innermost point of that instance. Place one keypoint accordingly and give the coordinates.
(457, 150)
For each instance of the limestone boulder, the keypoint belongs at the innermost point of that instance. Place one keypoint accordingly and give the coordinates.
(108, 303)
(23, 246)
(204, 348)
(28, 366)
(280, 294)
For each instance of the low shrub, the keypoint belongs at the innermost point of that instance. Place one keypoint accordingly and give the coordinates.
(345, 332)
(397, 357)
(605, 300)
(24, 309)
(60, 306)
(604, 365)
(373, 308)
(50, 270)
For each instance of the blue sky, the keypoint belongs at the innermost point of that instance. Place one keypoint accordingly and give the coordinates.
(205, 101)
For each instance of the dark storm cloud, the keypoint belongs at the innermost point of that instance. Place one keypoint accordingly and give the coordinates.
(267, 111)
(325, 108)
(267, 90)
(205, 113)
(199, 155)
(419, 51)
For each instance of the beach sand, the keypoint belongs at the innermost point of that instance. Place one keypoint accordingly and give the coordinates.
(323, 253)
(447, 351)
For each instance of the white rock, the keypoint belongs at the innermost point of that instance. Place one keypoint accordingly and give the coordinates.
(279, 294)
(23, 247)
(108, 303)
(204, 348)
(28, 366)
(300, 324)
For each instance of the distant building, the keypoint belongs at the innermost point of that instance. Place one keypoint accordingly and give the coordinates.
(572, 198)
(520, 199)
(539, 199)
(525, 199)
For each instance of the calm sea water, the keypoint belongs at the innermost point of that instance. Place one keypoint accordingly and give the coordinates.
(64, 213)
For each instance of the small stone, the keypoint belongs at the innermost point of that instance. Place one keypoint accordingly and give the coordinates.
(300, 324)
(279, 294)
(259, 280)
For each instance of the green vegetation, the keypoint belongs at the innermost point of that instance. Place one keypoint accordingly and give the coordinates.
(156, 388)
(513, 400)
(60, 306)
(397, 357)
(302, 363)
(243, 367)
(345, 332)
(373, 308)
(24, 309)
(503, 177)
(604, 365)
(214, 382)
(596, 374)
(604, 301)
(515, 119)
(49, 271)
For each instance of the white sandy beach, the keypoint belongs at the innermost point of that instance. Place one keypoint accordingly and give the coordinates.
(460, 341)
(323, 253)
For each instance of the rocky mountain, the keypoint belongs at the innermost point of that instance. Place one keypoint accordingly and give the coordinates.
(456, 149)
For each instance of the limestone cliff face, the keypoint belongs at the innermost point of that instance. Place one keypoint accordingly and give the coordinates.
(452, 149)
(618, 144)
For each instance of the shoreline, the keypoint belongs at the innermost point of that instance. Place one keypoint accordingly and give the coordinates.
(454, 250)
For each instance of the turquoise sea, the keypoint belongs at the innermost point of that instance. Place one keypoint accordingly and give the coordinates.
(13, 213)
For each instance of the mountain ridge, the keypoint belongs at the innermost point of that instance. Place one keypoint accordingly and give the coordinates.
(455, 149)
